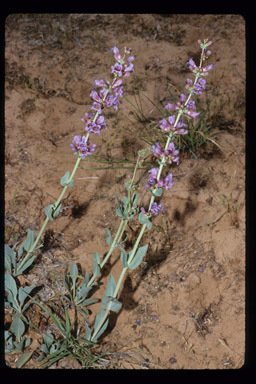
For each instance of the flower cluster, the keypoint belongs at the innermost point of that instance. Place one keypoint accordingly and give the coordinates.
(182, 107)
(105, 94)
(123, 66)
(169, 155)
(168, 125)
(167, 183)
(80, 144)
(154, 210)
(174, 125)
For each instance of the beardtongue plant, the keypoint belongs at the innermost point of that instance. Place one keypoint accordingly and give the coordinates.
(105, 95)
(173, 125)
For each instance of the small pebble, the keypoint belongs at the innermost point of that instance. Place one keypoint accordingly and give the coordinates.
(172, 360)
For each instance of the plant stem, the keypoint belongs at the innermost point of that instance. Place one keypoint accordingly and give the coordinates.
(116, 240)
(47, 219)
(130, 259)
(56, 204)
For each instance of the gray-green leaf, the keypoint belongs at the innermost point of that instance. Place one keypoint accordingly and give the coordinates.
(87, 331)
(10, 258)
(50, 213)
(111, 303)
(18, 327)
(137, 259)
(25, 266)
(65, 180)
(10, 284)
(25, 357)
(143, 219)
(29, 240)
(111, 286)
(96, 264)
(24, 292)
(158, 192)
(108, 238)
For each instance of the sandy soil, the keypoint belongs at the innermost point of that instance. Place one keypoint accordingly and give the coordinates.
(184, 308)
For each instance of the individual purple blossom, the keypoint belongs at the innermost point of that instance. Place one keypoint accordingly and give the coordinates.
(117, 54)
(80, 144)
(156, 208)
(118, 91)
(171, 154)
(152, 180)
(156, 150)
(192, 114)
(100, 83)
(117, 69)
(87, 117)
(199, 86)
(116, 83)
(192, 65)
(207, 69)
(96, 107)
(189, 84)
(168, 181)
(111, 101)
(95, 96)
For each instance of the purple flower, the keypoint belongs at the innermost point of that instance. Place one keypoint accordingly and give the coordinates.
(111, 101)
(128, 68)
(170, 154)
(95, 96)
(207, 69)
(195, 69)
(119, 91)
(180, 104)
(199, 86)
(117, 55)
(156, 150)
(192, 66)
(152, 180)
(79, 144)
(117, 82)
(96, 107)
(168, 125)
(117, 69)
(156, 208)
(97, 126)
(123, 66)
(87, 117)
(191, 104)
(189, 84)
(192, 114)
(168, 181)
(100, 83)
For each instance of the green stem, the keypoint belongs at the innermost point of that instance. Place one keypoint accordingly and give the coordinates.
(121, 277)
(130, 259)
(116, 240)
(56, 204)
(28, 255)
